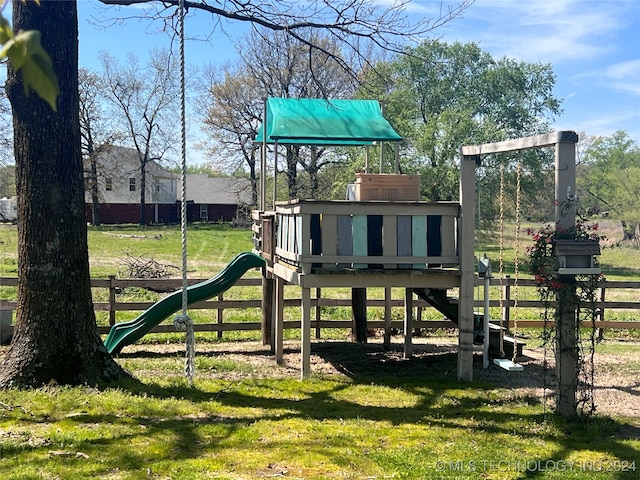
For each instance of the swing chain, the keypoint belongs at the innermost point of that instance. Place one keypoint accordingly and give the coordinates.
(516, 260)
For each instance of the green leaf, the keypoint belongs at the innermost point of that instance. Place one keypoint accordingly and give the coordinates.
(6, 32)
(25, 52)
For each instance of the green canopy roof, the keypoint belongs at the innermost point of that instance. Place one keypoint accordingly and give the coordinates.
(315, 121)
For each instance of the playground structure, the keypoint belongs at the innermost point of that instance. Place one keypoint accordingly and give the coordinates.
(382, 239)
(384, 236)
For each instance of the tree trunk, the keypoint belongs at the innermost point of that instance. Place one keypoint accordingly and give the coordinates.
(253, 178)
(313, 172)
(56, 338)
(629, 230)
(359, 314)
(292, 171)
(95, 200)
(143, 189)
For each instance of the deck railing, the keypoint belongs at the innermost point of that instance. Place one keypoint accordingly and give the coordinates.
(334, 235)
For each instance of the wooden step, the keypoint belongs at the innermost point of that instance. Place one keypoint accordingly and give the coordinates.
(508, 341)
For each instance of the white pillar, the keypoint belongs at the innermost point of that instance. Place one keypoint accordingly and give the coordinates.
(487, 319)
(263, 163)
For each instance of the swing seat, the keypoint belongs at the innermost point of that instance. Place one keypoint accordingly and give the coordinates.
(508, 365)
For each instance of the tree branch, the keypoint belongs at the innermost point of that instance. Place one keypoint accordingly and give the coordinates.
(349, 20)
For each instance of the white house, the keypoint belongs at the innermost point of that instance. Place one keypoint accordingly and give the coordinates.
(119, 182)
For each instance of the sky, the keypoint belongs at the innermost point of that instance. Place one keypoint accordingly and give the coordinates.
(593, 47)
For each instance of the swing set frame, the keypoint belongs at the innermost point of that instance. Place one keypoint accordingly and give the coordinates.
(564, 143)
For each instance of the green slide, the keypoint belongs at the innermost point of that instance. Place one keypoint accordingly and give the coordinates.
(126, 333)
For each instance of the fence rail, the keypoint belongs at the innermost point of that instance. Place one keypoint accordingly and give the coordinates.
(508, 303)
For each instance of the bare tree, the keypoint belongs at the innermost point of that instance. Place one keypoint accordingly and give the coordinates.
(97, 134)
(272, 64)
(6, 134)
(354, 26)
(585, 142)
(350, 23)
(7, 175)
(232, 114)
(145, 101)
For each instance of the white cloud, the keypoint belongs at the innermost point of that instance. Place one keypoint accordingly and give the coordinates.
(550, 31)
(625, 76)
(601, 123)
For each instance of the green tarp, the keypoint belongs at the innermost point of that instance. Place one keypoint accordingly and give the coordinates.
(314, 121)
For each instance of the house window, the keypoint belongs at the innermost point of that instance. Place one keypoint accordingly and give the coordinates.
(204, 212)
(108, 184)
(132, 184)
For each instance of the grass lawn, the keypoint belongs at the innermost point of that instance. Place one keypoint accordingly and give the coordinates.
(249, 418)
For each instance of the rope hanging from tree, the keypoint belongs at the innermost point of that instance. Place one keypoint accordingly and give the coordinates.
(183, 322)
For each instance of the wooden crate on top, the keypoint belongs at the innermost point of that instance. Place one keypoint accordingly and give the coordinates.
(387, 186)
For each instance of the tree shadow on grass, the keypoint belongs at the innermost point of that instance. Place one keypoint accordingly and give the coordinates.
(427, 379)
(374, 385)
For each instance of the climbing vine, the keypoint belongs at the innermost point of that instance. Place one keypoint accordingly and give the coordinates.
(580, 293)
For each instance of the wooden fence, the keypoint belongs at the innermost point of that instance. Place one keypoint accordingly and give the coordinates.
(511, 299)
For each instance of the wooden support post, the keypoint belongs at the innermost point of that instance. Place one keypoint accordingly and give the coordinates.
(566, 317)
(602, 317)
(267, 311)
(112, 300)
(359, 314)
(566, 348)
(305, 334)
(408, 322)
(318, 311)
(279, 323)
(467, 267)
(220, 315)
(506, 299)
(387, 318)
